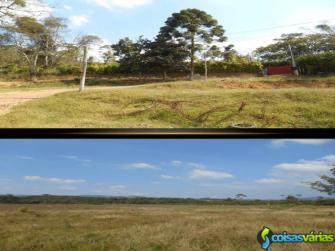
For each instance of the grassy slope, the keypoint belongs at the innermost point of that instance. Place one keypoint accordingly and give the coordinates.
(183, 104)
(156, 228)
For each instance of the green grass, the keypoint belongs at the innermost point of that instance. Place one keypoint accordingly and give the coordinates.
(183, 104)
(156, 228)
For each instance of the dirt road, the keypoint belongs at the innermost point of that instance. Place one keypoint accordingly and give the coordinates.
(10, 99)
(13, 98)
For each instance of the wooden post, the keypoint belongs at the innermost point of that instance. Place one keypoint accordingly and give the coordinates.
(83, 76)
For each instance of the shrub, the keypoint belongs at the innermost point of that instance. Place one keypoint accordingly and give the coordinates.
(317, 64)
(68, 69)
(239, 66)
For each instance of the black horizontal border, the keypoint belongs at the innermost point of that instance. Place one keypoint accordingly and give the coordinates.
(167, 133)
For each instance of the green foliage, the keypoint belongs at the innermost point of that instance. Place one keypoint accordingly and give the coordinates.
(316, 64)
(240, 200)
(68, 69)
(240, 66)
(131, 54)
(194, 27)
(301, 45)
(327, 185)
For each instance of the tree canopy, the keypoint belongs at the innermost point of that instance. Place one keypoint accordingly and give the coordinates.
(194, 27)
(302, 44)
(326, 184)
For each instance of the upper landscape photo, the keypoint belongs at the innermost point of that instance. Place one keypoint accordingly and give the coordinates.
(167, 64)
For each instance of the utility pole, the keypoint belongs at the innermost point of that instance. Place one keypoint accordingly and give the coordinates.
(83, 76)
(294, 64)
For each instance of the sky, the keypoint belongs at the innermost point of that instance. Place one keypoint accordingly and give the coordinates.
(115, 19)
(261, 169)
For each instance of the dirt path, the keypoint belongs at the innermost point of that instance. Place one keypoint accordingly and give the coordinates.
(13, 98)
(10, 99)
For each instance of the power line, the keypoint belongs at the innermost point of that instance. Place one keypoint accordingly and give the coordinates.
(279, 27)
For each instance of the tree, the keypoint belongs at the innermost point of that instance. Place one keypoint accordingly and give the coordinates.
(164, 55)
(330, 36)
(51, 40)
(302, 44)
(194, 27)
(230, 54)
(108, 54)
(131, 54)
(69, 54)
(26, 35)
(240, 196)
(292, 199)
(211, 52)
(85, 42)
(7, 10)
(327, 185)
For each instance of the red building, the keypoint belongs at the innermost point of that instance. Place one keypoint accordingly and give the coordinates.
(280, 70)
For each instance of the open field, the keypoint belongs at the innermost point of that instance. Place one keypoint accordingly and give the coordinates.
(156, 228)
(218, 103)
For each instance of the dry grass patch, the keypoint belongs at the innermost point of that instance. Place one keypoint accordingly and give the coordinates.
(156, 228)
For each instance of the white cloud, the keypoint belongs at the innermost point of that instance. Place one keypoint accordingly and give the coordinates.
(176, 163)
(268, 181)
(77, 158)
(197, 165)
(284, 142)
(78, 21)
(64, 181)
(168, 177)
(207, 174)
(141, 165)
(110, 4)
(54, 180)
(32, 178)
(305, 166)
(329, 158)
(67, 7)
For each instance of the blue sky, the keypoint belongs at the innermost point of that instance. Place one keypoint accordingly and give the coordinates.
(261, 169)
(114, 19)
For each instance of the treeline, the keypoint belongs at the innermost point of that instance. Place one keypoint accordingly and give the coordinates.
(191, 41)
(314, 52)
(50, 199)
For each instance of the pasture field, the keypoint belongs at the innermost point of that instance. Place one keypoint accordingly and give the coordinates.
(156, 227)
(217, 103)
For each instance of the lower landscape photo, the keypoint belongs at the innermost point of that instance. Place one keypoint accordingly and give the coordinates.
(157, 195)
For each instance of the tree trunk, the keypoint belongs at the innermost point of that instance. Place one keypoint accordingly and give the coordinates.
(165, 75)
(46, 56)
(206, 68)
(33, 69)
(192, 59)
(83, 77)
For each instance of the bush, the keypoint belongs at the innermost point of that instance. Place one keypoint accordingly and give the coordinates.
(240, 66)
(317, 64)
(68, 69)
